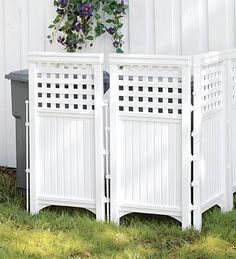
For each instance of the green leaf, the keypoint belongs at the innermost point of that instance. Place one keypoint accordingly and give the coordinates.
(119, 50)
(98, 16)
(90, 37)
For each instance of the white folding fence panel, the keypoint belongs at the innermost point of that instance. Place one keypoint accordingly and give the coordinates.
(211, 154)
(66, 136)
(232, 111)
(150, 136)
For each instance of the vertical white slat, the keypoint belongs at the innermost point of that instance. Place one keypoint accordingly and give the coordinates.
(158, 166)
(179, 165)
(67, 157)
(229, 101)
(151, 163)
(197, 134)
(47, 155)
(150, 14)
(99, 141)
(12, 62)
(217, 24)
(24, 24)
(128, 161)
(186, 147)
(172, 172)
(227, 181)
(60, 157)
(36, 25)
(163, 26)
(87, 154)
(41, 151)
(165, 165)
(135, 162)
(230, 23)
(33, 143)
(143, 162)
(3, 131)
(203, 39)
(214, 153)
(114, 156)
(80, 157)
(139, 39)
(93, 163)
(176, 27)
(190, 26)
(74, 155)
(122, 159)
(53, 156)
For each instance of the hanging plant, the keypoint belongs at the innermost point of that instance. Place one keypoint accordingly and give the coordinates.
(79, 22)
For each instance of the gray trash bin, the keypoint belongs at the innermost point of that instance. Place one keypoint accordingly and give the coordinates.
(20, 93)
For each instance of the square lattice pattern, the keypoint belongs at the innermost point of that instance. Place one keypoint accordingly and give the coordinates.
(68, 87)
(211, 87)
(150, 90)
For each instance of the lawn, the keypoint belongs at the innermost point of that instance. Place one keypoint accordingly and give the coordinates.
(73, 233)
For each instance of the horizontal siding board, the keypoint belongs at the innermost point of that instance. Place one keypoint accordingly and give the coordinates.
(2, 89)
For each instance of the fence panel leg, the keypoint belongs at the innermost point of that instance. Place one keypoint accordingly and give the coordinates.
(186, 148)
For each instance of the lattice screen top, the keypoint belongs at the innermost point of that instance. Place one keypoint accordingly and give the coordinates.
(67, 87)
(211, 78)
(150, 90)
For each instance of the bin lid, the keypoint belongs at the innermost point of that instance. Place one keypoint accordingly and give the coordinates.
(20, 75)
(23, 76)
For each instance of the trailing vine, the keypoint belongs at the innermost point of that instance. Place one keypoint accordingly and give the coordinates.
(79, 22)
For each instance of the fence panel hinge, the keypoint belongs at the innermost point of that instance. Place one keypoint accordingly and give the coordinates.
(194, 134)
(106, 200)
(193, 158)
(105, 103)
(107, 176)
(194, 183)
(105, 152)
(192, 208)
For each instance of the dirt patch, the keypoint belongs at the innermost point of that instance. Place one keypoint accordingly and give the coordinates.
(8, 171)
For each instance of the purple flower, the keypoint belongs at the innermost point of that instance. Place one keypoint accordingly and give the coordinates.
(86, 9)
(116, 44)
(61, 40)
(78, 26)
(111, 30)
(63, 3)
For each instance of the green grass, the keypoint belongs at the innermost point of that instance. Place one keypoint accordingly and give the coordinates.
(73, 233)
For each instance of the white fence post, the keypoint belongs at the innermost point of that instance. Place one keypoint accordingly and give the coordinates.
(197, 216)
(113, 143)
(186, 147)
(33, 136)
(226, 124)
(232, 118)
(99, 143)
